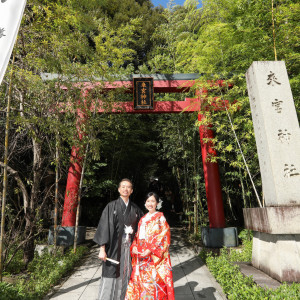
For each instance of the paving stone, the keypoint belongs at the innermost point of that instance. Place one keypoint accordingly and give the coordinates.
(64, 296)
(178, 275)
(98, 273)
(85, 273)
(259, 277)
(95, 281)
(208, 294)
(90, 293)
(185, 297)
(192, 279)
(183, 290)
(180, 282)
(76, 285)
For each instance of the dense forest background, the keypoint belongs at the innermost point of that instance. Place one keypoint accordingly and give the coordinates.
(95, 39)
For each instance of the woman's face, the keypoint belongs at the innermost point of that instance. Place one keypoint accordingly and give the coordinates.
(151, 204)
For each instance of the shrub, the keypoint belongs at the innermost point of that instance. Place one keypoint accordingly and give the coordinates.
(237, 286)
(9, 292)
(42, 273)
(17, 264)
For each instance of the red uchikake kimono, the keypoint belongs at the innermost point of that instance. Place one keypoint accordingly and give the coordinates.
(151, 277)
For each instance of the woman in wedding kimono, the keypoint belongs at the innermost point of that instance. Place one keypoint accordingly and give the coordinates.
(151, 276)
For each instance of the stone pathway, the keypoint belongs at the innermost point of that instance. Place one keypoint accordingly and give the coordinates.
(192, 279)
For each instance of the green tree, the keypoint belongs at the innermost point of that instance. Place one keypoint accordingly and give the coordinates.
(220, 41)
(75, 42)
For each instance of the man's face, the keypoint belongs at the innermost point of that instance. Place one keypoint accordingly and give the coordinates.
(125, 189)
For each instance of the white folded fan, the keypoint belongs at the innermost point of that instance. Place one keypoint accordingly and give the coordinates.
(112, 260)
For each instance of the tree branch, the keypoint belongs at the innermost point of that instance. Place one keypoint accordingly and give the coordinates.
(20, 184)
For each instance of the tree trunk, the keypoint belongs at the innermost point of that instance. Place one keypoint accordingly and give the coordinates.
(29, 231)
(20, 183)
(243, 189)
(30, 215)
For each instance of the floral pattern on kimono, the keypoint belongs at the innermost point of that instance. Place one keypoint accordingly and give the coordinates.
(152, 277)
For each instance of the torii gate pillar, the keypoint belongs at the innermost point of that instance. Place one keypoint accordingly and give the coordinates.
(212, 178)
(211, 170)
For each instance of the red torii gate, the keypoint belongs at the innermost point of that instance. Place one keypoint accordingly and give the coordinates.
(177, 83)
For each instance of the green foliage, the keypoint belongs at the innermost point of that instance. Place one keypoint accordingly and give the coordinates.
(17, 264)
(237, 286)
(241, 255)
(220, 41)
(204, 253)
(225, 38)
(246, 235)
(73, 39)
(42, 273)
(176, 32)
(128, 149)
(10, 292)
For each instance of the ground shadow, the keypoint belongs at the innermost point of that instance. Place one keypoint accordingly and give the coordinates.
(205, 293)
(79, 285)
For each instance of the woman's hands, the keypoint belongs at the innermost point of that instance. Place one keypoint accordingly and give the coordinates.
(134, 251)
(143, 254)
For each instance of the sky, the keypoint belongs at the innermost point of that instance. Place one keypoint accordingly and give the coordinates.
(164, 3)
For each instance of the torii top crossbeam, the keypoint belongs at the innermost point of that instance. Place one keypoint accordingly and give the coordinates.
(162, 83)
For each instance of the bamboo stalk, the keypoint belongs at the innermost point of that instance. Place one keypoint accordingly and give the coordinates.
(243, 189)
(273, 26)
(5, 170)
(56, 191)
(241, 151)
(196, 220)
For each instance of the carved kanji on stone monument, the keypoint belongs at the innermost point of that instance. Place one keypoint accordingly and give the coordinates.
(272, 79)
(290, 170)
(284, 135)
(278, 105)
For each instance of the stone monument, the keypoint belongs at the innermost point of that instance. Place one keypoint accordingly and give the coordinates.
(276, 238)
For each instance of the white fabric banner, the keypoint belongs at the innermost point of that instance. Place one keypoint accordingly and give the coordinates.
(11, 13)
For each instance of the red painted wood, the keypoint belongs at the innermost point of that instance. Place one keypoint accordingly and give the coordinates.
(160, 86)
(188, 106)
(71, 195)
(212, 179)
(74, 175)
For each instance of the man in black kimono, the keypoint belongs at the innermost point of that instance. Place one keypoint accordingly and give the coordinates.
(115, 232)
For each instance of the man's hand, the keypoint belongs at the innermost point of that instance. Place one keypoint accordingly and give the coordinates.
(102, 254)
